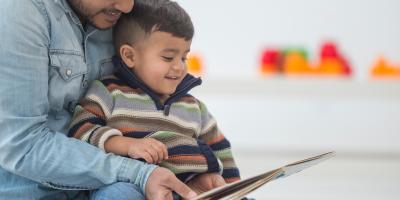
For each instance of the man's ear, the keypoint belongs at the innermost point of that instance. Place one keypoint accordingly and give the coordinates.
(127, 53)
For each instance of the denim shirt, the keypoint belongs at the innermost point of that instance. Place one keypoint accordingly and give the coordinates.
(47, 59)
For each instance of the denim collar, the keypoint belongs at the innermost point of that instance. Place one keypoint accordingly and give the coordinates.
(64, 4)
(129, 77)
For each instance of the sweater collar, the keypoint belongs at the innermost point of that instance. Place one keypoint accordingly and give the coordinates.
(128, 76)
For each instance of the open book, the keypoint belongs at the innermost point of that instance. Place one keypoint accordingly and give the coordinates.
(239, 189)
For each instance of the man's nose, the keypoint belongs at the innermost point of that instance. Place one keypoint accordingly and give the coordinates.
(124, 6)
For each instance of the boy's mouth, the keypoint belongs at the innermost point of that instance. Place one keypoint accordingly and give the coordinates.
(172, 77)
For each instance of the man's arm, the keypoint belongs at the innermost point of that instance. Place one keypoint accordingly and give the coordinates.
(28, 147)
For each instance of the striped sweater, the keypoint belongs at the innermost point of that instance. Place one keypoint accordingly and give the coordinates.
(123, 105)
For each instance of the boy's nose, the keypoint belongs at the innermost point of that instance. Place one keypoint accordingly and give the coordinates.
(179, 66)
(124, 6)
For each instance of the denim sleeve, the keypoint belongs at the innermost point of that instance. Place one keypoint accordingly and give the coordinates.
(29, 148)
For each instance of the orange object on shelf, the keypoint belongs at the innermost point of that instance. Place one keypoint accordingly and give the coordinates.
(331, 66)
(295, 64)
(382, 68)
(268, 69)
(195, 64)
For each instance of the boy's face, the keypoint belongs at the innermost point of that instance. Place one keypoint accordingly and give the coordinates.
(102, 14)
(160, 61)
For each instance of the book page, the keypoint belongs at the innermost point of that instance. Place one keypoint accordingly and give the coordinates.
(239, 189)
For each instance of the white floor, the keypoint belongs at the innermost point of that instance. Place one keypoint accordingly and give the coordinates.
(345, 177)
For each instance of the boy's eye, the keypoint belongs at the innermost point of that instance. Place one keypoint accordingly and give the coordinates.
(184, 59)
(168, 59)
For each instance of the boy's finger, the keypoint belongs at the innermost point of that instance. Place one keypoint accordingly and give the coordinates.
(153, 153)
(146, 156)
(161, 147)
(156, 147)
(165, 150)
(160, 155)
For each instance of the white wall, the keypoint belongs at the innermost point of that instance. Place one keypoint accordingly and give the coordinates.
(356, 115)
(307, 115)
(230, 33)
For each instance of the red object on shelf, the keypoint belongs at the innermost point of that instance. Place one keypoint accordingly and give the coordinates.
(337, 64)
(329, 50)
(271, 56)
(346, 67)
(270, 61)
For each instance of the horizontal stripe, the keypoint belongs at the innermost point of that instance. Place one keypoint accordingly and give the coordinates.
(220, 145)
(93, 120)
(183, 150)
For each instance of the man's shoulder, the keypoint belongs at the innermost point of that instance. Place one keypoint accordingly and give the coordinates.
(30, 9)
(42, 5)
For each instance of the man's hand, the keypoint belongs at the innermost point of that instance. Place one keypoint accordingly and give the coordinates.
(205, 182)
(151, 150)
(163, 182)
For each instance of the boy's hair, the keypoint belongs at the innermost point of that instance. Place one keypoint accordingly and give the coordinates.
(149, 16)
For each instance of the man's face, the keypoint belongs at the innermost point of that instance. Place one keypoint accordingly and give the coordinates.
(102, 14)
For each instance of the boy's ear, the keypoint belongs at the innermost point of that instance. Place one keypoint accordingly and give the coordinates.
(127, 53)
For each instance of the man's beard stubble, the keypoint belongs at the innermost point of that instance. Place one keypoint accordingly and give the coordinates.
(84, 14)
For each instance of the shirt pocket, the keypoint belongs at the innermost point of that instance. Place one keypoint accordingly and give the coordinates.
(106, 67)
(67, 79)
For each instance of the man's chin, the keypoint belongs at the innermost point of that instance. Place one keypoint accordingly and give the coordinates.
(102, 25)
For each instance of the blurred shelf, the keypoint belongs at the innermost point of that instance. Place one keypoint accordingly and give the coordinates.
(306, 114)
(305, 87)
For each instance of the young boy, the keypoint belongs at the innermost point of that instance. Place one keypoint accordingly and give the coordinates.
(144, 110)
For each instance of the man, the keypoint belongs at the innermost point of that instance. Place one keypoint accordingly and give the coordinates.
(49, 51)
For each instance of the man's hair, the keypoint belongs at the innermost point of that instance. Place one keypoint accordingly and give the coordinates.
(149, 16)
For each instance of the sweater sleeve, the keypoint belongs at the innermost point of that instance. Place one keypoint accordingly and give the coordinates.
(220, 145)
(89, 122)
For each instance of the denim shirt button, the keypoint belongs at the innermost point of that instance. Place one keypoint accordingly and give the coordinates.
(68, 72)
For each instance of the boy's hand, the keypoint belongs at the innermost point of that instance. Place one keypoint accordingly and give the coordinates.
(151, 150)
(205, 182)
